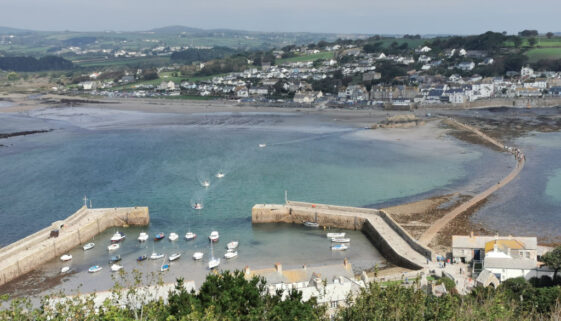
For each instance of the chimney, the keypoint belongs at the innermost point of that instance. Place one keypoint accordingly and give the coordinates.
(246, 270)
(278, 267)
(471, 234)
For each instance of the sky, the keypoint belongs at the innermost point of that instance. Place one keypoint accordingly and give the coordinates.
(333, 16)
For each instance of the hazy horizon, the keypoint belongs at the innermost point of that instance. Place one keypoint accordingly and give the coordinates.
(328, 16)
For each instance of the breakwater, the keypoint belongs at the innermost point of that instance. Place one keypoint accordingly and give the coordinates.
(27, 254)
(390, 239)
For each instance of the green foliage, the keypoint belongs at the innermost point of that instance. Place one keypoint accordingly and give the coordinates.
(449, 284)
(192, 55)
(553, 260)
(32, 64)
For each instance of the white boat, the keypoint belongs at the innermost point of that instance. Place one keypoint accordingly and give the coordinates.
(88, 246)
(205, 183)
(116, 267)
(117, 237)
(65, 269)
(214, 236)
(213, 263)
(262, 145)
(156, 256)
(198, 206)
(142, 237)
(66, 257)
(198, 256)
(311, 224)
(340, 240)
(173, 236)
(335, 235)
(95, 268)
(164, 266)
(232, 245)
(231, 254)
(113, 247)
(339, 247)
(174, 256)
(190, 236)
(220, 175)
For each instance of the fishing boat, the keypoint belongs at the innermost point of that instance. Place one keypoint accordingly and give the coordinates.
(95, 268)
(116, 267)
(115, 258)
(156, 256)
(173, 236)
(113, 247)
(89, 246)
(262, 145)
(231, 254)
(339, 247)
(214, 236)
(141, 258)
(174, 256)
(159, 236)
(117, 237)
(232, 245)
(65, 269)
(198, 206)
(220, 175)
(335, 235)
(205, 183)
(190, 236)
(311, 224)
(198, 256)
(66, 257)
(340, 240)
(164, 266)
(142, 237)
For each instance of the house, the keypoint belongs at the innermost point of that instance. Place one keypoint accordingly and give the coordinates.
(371, 75)
(454, 78)
(466, 65)
(555, 91)
(307, 97)
(241, 92)
(466, 248)
(424, 59)
(456, 96)
(426, 67)
(89, 85)
(261, 91)
(462, 52)
(528, 92)
(381, 56)
(526, 72)
(425, 49)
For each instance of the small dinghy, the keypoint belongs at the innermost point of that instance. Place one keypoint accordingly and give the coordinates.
(164, 267)
(156, 256)
(231, 254)
(113, 247)
(232, 245)
(174, 256)
(95, 268)
(311, 224)
(118, 237)
(159, 236)
(198, 256)
(335, 235)
(142, 237)
(190, 236)
(220, 175)
(205, 183)
(89, 246)
(116, 267)
(198, 206)
(65, 269)
(115, 258)
(141, 258)
(262, 145)
(213, 263)
(341, 240)
(339, 247)
(214, 236)
(66, 257)
(173, 236)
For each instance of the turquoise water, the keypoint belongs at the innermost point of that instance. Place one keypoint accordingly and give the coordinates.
(120, 159)
(553, 187)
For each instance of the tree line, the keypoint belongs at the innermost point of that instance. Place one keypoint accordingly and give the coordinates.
(33, 64)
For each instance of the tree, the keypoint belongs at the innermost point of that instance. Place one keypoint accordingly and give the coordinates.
(549, 35)
(528, 33)
(532, 41)
(13, 76)
(517, 41)
(553, 260)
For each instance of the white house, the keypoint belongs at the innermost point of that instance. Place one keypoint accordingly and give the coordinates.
(466, 65)
(241, 92)
(526, 72)
(425, 49)
(424, 59)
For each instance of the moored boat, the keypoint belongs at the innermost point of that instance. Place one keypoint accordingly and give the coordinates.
(65, 269)
(205, 183)
(113, 247)
(311, 224)
(174, 256)
(231, 254)
(118, 237)
(88, 246)
(156, 256)
(335, 235)
(198, 256)
(232, 245)
(213, 263)
(164, 267)
(173, 236)
(95, 268)
(190, 236)
(341, 240)
(115, 258)
(214, 236)
(159, 236)
(66, 257)
(262, 145)
(142, 237)
(220, 175)
(339, 247)
(116, 267)
(198, 206)
(141, 258)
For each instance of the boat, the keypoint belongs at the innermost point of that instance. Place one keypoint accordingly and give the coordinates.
(89, 246)
(174, 256)
(156, 256)
(113, 247)
(231, 254)
(340, 240)
(66, 257)
(141, 258)
(115, 258)
(142, 237)
(262, 145)
(335, 235)
(198, 206)
(65, 269)
(173, 236)
(205, 183)
(198, 256)
(214, 236)
(190, 236)
(232, 245)
(220, 175)
(159, 236)
(214, 262)
(339, 247)
(164, 266)
(95, 268)
(116, 267)
(311, 224)
(118, 237)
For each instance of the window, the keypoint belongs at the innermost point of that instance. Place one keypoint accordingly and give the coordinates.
(521, 253)
(527, 255)
(333, 304)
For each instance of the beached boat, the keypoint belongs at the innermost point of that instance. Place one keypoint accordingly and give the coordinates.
(198, 256)
(66, 257)
(113, 247)
(232, 245)
(173, 236)
(339, 247)
(174, 256)
(190, 236)
(198, 206)
(115, 258)
(156, 256)
(213, 263)
(141, 258)
(311, 224)
(220, 175)
(118, 237)
(205, 183)
(116, 267)
(95, 268)
(159, 236)
(231, 254)
(65, 269)
(335, 235)
(164, 267)
(341, 240)
(89, 246)
(142, 237)
(262, 145)
(214, 236)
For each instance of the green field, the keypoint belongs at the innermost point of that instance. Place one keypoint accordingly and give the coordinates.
(322, 55)
(541, 42)
(112, 62)
(543, 53)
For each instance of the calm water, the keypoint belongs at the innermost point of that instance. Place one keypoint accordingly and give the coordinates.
(159, 160)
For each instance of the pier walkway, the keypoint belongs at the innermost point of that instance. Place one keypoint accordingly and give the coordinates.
(30, 252)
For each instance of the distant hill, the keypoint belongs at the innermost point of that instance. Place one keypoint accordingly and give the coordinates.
(175, 29)
(8, 30)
